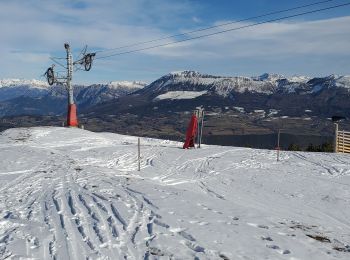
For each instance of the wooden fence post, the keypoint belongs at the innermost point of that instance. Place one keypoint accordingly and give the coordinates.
(336, 138)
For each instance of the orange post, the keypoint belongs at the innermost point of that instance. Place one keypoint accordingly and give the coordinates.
(72, 119)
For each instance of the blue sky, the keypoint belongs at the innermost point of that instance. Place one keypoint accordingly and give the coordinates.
(33, 30)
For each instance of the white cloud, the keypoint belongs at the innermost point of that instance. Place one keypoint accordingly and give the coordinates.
(33, 30)
(322, 37)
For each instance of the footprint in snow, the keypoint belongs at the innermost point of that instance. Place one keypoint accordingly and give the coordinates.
(281, 251)
(258, 225)
(273, 246)
(266, 238)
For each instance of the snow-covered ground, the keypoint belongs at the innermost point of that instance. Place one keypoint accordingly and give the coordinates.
(74, 194)
(181, 95)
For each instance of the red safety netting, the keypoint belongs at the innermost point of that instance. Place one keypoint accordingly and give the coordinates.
(191, 133)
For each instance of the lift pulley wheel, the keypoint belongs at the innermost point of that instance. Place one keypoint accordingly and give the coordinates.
(50, 76)
(88, 61)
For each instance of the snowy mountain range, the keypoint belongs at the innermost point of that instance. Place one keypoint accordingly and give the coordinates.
(12, 88)
(293, 95)
(186, 90)
(265, 84)
(23, 82)
(36, 96)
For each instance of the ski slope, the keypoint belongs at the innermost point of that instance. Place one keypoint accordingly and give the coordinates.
(74, 194)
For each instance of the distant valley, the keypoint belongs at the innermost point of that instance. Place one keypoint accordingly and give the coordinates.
(245, 111)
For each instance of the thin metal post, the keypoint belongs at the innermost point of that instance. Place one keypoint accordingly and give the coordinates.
(198, 114)
(139, 154)
(278, 145)
(69, 74)
(336, 138)
(201, 130)
(196, 138)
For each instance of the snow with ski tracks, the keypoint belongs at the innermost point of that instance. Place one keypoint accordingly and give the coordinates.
(73, 194)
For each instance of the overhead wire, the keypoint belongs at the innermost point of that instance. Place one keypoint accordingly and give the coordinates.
(215, 26)
(223, 31)
(58, 63)
(81, 52)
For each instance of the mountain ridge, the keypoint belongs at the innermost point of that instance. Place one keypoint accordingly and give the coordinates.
(223, 85)
(182, 89)
(18, 97)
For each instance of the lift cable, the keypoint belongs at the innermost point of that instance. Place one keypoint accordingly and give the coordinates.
(58, 63)
(215, 26)
(223, 31)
